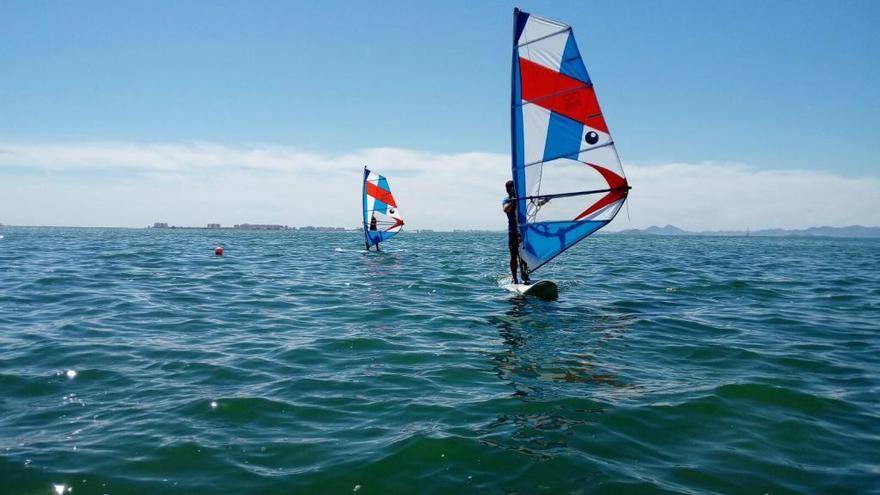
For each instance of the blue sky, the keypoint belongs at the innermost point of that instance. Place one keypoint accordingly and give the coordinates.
(774, 85)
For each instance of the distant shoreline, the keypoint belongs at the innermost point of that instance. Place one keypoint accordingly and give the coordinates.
(850, 232)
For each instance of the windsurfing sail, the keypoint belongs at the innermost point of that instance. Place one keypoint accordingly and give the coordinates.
(381, 217)
(567, 175)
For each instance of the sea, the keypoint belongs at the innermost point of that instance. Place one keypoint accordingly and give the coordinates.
(136, 361)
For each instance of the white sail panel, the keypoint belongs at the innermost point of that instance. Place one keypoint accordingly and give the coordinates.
(536, 27)
(558, 176)
(536, 121)
(548, 51)
(605, 157)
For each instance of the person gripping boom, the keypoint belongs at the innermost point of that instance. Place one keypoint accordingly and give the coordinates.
(508, 206)
(373, 227)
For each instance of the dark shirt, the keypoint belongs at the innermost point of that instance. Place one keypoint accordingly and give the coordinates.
(511, 216)
(373, 223)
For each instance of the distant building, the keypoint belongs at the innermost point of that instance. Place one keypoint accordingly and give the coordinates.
(259, 226)
(213, 225)
(160, 225)
(310, 228)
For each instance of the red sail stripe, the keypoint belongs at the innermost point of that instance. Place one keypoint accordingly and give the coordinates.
(397, 223)
(579, 103)
(381, 194)
(618, 191)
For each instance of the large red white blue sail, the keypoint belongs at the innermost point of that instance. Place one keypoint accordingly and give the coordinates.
(568, 178)
(382, 219)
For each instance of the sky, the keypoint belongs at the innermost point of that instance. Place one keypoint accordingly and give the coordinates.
(726, 115)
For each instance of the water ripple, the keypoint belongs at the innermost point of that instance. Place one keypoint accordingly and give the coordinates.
(135, 361)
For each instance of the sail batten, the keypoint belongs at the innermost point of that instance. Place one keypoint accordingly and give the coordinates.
(566, 171)
(542, 38)
(570, 155)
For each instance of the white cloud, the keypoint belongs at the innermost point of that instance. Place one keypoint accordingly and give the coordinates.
(123, 184)
(713, 196)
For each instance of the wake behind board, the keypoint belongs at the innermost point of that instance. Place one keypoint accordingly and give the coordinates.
(542, 289)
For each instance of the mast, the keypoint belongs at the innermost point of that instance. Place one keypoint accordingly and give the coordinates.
(364, 199)
(515, 134)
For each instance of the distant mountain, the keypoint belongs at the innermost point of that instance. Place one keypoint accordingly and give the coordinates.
(857, 231)
(654, 230)
(850, 231)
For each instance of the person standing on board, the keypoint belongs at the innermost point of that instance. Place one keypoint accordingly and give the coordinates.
(509, 208)
(373, 228)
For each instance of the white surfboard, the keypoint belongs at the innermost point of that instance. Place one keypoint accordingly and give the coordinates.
(542, 289)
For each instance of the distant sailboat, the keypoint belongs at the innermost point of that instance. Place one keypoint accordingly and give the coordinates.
(568, 178)
(382, 219)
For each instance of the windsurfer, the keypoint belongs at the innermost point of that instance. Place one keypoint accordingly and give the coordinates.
(509, 208)
(373, 227)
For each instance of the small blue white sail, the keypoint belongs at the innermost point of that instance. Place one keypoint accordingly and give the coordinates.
(382, 219)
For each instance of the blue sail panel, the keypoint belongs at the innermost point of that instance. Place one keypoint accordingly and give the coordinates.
(543, 241)
(564, 137)
(376, 236)
(572, 63)
(383, 183)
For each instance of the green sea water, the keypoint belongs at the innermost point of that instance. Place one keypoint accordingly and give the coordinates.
(135, 361)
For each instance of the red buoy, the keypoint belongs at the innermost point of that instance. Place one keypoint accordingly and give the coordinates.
(218, 251)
